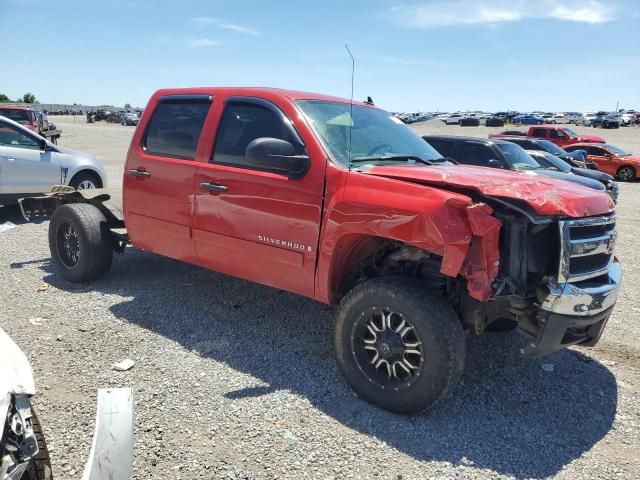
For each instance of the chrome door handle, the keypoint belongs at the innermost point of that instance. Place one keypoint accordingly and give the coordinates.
(213, 187)
(139, 173)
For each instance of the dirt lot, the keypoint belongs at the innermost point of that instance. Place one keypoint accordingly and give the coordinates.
(235, 380)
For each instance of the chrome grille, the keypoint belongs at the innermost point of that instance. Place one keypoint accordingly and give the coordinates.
(587, 247)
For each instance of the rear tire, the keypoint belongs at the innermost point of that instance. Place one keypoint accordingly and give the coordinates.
(80, 242)
(626, 174)
(85, 181)
(398, 346)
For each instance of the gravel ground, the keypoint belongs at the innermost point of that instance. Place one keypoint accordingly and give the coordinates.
(235, 380)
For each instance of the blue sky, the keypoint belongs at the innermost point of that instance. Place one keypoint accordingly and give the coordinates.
(410, 54)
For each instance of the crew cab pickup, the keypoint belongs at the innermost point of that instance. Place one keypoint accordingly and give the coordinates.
(341, 202)
(561, 136)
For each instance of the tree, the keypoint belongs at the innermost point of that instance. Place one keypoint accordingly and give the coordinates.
(127, 105)
(4, 98)
(29, 98)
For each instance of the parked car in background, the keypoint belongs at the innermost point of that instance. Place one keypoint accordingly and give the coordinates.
(605, 121)
(31, 164)
(547, 117)
(559, 118)
(611, 159)
(552, 162)
(453, 119)
(129, 118)
(561, 136)
(469, 122)
(527, 120)
(627, 119)
(25, 116)
(577, 158)
(502, 154)
(586, 119)
(494, 121)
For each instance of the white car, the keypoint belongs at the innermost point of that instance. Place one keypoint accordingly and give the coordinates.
(454, 119)
(627, 119)
(559, 118)
(587, 119)
(30, 164)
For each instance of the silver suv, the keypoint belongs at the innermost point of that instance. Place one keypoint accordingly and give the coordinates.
(30, 164)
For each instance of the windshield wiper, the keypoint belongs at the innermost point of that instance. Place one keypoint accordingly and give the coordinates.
(392, 158)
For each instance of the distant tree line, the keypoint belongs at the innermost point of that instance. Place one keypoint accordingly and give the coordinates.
(26, 98)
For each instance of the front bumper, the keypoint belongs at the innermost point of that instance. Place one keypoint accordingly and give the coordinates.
(572, 314)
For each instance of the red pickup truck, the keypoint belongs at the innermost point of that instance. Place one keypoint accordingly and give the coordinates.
(561, 136)
(343, 203)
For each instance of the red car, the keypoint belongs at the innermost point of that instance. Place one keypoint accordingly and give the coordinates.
(610, 159)
(343, 203)
(22, 114)
(561, 136)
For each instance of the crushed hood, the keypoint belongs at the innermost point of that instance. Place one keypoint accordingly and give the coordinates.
(544, 195)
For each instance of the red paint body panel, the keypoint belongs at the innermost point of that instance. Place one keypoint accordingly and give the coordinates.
(545, 195)
(567, 139)
(33, 124)
(299, 235)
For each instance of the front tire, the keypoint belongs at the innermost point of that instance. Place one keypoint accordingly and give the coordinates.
(80, 242)
(398, 346)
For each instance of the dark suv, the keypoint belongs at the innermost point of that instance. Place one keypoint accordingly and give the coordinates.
(577, 158)
(494, 153)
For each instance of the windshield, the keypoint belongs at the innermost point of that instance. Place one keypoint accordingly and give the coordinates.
(571, 132)
(550, 147)
(20, 116)
(374, 133)
(616, 150)
(552, 162)
(517, 157)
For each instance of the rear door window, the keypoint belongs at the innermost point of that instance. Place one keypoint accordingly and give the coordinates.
(539, 132)
(476, 154)
(174, 130)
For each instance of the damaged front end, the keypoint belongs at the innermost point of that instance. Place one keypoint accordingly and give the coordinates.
(19, 445)
(558, 281)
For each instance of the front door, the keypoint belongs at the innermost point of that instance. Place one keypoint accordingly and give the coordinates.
(159, 177)
(24, 167)
(605, 161)
(250, 221)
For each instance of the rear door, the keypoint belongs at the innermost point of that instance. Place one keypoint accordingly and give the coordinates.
(250, 221)
(160, 174)
(24, 168)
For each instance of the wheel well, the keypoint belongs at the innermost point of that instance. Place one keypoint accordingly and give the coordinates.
(359, 258)
(95, 176)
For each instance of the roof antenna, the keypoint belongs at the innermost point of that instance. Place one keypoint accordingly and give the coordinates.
(353, 73)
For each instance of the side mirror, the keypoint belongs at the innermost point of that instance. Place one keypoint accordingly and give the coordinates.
(493, 163)
(277, 156)
(42, 143)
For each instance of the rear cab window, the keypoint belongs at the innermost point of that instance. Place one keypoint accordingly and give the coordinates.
(539, 132)
(175, 126)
